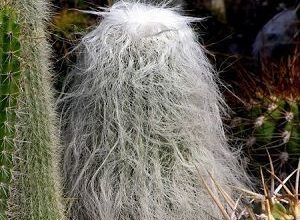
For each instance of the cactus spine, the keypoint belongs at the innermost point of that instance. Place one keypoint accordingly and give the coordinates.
(9, 90)
(278, 125)
(273, 124)
(30, 183)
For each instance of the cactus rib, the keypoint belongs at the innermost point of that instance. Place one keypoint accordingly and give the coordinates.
(9, 90)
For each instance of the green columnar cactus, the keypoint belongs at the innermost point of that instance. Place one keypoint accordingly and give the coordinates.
(29, 178)
(271, 124)
(9, 90)
(278, 125)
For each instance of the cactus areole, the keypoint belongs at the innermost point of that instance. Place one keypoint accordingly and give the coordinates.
(9, 90)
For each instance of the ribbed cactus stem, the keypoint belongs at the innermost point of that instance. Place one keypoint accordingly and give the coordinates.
(273, 123)
(29, 169)
(9, 90)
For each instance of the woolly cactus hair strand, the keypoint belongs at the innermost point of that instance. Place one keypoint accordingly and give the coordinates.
(141, 118)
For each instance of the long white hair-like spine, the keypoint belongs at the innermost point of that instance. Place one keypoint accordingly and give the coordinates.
(141, 119)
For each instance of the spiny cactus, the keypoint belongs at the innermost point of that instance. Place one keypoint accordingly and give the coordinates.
(271, 124)
(279, 199)
(29, 179)
(9, 91)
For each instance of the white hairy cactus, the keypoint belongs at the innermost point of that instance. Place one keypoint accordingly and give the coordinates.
(141, 120)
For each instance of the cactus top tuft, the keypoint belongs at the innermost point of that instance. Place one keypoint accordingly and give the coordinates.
(141, 19)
